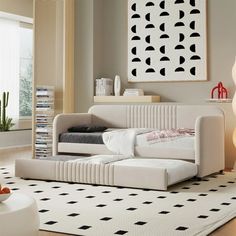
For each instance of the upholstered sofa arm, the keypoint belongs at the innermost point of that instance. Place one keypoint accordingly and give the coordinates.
(209, 144)
(64, 121)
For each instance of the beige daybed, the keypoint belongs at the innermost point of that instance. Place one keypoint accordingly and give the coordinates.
(155, 167)
(208, 122)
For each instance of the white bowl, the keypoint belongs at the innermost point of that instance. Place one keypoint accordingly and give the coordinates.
(4, 196)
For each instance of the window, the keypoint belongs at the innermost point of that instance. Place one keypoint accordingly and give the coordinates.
(16, 43)
(25, 86)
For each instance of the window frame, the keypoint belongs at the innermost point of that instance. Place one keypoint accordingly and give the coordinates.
(25, 21)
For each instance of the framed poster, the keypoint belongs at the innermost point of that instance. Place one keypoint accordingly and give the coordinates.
(167, 40)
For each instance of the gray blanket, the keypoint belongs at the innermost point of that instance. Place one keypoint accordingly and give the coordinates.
(93, 138)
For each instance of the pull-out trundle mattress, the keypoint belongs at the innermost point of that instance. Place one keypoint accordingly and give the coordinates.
(137, 173)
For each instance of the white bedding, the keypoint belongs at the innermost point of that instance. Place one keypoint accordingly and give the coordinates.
(123, 141)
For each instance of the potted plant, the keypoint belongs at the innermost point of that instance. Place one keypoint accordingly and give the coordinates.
(5, 122)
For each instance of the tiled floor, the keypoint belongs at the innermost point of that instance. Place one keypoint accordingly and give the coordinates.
(8, 157)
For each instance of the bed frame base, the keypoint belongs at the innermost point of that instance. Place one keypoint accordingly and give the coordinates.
(136, 173)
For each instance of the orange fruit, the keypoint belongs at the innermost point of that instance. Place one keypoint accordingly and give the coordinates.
(6, 190)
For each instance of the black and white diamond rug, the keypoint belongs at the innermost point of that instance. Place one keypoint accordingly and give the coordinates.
(190, 208)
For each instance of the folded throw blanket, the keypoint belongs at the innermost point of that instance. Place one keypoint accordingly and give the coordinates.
(122, 141)
(168, 135)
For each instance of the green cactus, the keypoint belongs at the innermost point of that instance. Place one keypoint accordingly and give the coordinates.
(5, 122)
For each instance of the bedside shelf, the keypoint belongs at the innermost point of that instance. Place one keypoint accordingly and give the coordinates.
(216, 100)
(128, 99)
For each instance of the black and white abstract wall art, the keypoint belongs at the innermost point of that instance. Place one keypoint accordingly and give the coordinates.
(167, 40)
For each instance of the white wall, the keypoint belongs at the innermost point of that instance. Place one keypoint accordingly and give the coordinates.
(48, 43)
(107, 23)
(17, 7)
(84, 53)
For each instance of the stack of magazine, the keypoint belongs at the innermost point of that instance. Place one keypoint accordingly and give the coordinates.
(43, 121)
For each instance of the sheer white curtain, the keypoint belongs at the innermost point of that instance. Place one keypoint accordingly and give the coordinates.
(10, 64)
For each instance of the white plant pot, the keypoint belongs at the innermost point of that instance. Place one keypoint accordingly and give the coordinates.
(15, 138)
